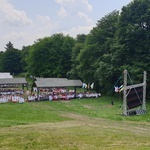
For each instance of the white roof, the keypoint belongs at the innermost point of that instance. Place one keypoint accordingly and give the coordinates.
(4, 75)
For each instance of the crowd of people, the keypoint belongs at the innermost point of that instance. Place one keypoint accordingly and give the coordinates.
(60, 94)
(12, 98)
(51, 94)
(11, 95)
(11, 91)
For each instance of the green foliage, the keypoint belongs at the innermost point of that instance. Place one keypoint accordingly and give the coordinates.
(9, 46)
(51, 56)
(38, 58)
(10, 61)
(134, 33)
(24, 56)
(95, 58)
(1, 56)
(74, 60)
(80, 38)
(133, 36)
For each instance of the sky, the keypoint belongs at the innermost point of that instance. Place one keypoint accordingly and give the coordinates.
(24, 21)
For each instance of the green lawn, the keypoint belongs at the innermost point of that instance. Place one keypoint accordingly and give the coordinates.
(81, 124)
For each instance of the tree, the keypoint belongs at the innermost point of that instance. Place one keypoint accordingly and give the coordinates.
(11, 61)
(50, 56)
(66, 51)
(80, 38)
(73, 73)
(24, 56)
(133, 37)
(38, 57)
(95, 57)
(9, 46)
(80, 41)
(1, 57)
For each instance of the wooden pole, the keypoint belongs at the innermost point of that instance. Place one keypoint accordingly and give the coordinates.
(144, 91)
(125, 94)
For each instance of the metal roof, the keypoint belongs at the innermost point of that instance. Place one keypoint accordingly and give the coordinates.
(9, 81)
(57, 82)
(4, 75)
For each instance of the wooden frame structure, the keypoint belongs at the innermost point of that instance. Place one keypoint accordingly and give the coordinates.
(130, 104)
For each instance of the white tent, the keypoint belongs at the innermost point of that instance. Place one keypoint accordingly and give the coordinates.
(4, 75)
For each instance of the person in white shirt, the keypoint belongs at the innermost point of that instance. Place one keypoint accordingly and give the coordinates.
(50, 97)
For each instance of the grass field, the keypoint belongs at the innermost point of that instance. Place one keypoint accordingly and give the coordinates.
(81, 124)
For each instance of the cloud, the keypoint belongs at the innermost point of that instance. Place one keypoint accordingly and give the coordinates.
(77, 3)
(16, 38)
(43, 19)
(86, 3)
(62, 12)
(13, 17)
(22, 31)
(46, 24)
(78, 30)
(15, 35)
(64, 2)
(85, 17)
(75, 11)
(44, 27)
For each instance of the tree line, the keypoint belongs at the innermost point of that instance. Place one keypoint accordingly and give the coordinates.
(120, 40)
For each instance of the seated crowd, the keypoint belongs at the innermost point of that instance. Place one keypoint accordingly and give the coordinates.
(11, 95)
(60, 94)
(51, 94)
(11, 91)
(13, 98)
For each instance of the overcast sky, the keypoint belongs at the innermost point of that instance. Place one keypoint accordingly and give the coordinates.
(24, 21)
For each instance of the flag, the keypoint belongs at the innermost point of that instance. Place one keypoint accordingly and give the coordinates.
(84, 85)
(121, 88)
(92, 85)
(118, 89)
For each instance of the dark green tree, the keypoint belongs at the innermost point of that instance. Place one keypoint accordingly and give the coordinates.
(38, 58)
(1, 57)
(24, 56)
(50, 56)
(80, 40)
(66, 52)
(10, 61)
(73, 73)
(133, 37)
(95, 57)
(9, 46)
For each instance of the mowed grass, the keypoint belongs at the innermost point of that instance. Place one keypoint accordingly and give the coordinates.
(81, 124)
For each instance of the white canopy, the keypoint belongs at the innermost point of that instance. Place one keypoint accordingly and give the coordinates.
(4, 75)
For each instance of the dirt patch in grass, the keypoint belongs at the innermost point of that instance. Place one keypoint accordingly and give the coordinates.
(88, 106)
(130, 126)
